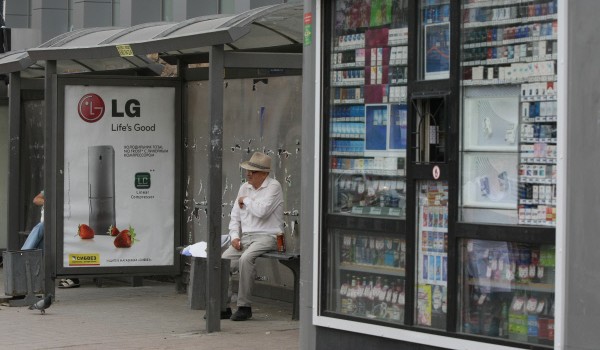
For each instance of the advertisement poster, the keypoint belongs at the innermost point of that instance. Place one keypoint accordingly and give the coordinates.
(491, 123)
(490, 180)
(437, 51)
(119, 176)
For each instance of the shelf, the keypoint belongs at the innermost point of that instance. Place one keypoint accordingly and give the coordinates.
(531, 287)
(348, 83)
(538, 98)
(538, 140)
(483, 82)
(491, 3)
(347, 136)
(510, 21)
(509, 41)
(538, 160)
(377, 172)
(348, 65)
(374, 269)
(398, 82)
(349, 47)
(537, 223)
(538, 201)
(392, 43)
(349, 102)
(550, 118)
(340, 153)
(399, 62)
(498, 61)
(376, 211)
(536, 180)
(348, 119)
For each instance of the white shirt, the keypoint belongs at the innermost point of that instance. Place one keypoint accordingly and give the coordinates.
(262, 211)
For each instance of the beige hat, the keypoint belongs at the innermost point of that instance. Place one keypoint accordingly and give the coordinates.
(258, 162)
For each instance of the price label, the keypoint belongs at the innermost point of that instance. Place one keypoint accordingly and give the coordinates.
(375, 211)
(394, 212)
(357, 210)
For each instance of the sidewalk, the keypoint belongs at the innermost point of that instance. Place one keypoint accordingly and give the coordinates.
(154, 316)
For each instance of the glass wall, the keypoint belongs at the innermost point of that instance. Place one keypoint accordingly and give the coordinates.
(439, 121)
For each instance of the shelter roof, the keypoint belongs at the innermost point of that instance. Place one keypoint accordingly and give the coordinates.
(274, 28)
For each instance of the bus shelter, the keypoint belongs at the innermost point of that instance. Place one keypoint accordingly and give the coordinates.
(129, 143)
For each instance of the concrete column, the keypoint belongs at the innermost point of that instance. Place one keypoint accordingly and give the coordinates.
(185, 9)
(92, 13)
(140, 11)
(18, 14)
(49, 18)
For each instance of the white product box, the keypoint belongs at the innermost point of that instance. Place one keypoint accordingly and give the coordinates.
(477, 73)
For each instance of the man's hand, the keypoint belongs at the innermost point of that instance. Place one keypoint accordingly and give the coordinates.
(236, 243)
(241, 201)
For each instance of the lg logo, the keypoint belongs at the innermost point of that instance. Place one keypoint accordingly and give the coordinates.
(91, 108)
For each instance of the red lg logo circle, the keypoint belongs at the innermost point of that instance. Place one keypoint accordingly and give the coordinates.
(91, 108)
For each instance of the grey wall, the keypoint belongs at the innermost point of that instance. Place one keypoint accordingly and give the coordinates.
(582, 312)
(278, 134)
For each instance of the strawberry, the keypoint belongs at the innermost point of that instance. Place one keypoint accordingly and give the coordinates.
(113, 230)
(85, 232)
(125, 238)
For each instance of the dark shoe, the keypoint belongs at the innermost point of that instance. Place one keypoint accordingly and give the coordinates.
(242, 314)
(225, 315)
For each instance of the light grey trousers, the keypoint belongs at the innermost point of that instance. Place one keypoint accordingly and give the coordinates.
(243, 261)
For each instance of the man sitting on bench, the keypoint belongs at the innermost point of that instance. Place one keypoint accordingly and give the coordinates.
(256, 219)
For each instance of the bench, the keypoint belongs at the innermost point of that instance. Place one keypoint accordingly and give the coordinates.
(291, 261)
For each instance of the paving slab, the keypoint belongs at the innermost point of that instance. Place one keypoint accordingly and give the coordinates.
(152, 316)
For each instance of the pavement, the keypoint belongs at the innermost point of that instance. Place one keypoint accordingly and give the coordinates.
(153, 316)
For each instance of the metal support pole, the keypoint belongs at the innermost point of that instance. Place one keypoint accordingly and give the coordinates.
(50, 154)
(215, 161)
(14, 173)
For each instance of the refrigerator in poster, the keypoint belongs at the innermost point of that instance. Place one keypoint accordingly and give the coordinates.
(119, 176)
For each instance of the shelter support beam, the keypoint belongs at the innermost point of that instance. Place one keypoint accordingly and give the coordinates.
(14, 172)
(50, 154)
(215, 160)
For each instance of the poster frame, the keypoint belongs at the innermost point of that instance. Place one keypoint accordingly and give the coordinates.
(56, 232)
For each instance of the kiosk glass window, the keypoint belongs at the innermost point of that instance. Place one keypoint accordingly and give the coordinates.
(432, 264)
(507, 290)
(509, 112)
(367, 110)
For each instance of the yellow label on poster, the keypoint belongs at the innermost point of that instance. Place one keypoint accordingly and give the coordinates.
(84, 259)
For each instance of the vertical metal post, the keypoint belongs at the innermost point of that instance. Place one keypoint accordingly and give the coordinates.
(14, 172)
(311, 84)
(215, 160)
(50, 153)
